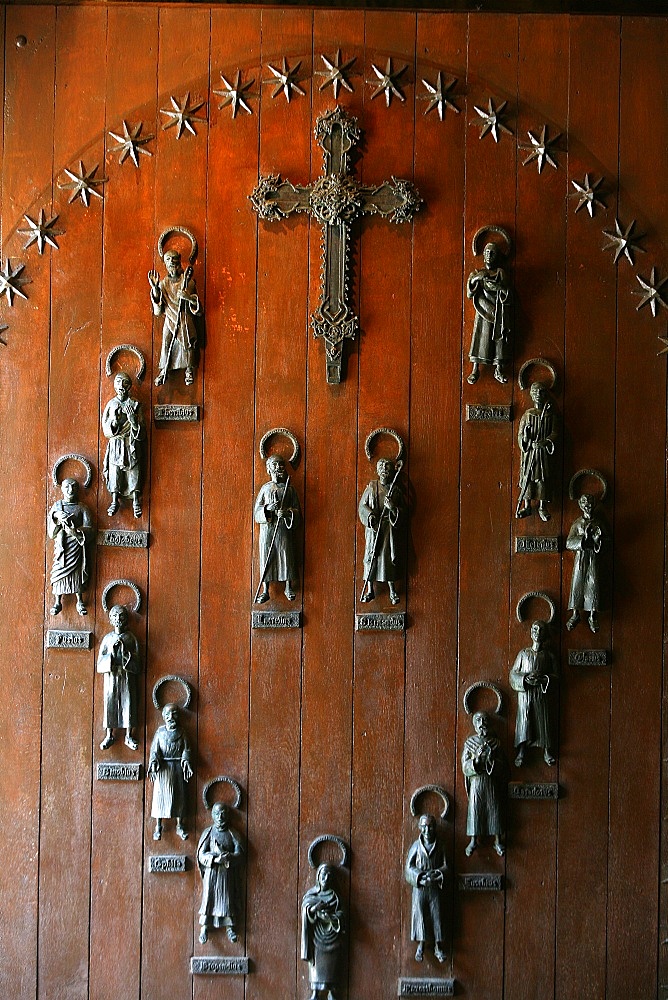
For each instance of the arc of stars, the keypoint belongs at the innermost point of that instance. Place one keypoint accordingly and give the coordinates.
(83, 184)
(336, 73)
(234, 94)
(42, 232)
(389, 82)
(438, 96)
(624, 242)
(586, 191)
(288, 79)
(11, 281)
(651, 293)
(541, 149)
(183, 115)
(492, 120)
(131, 143)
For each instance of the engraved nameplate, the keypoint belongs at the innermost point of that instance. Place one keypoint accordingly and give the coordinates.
(276, 619)
(123, 539)
(173, 411)
(587, 657)
(167, 862)
(481, 882)
(533, 790)
(426, 988)
(63, 639)
(487, 412)
(375, 621)
(118, 772)
(212, 966)
(536, 543)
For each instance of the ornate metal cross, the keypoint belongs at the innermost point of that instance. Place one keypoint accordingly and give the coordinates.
(335, 201)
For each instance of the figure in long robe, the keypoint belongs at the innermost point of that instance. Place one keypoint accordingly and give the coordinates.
(381, 511)
(484, 768)
(169, 769)
(219, 854)
(536, 435)
(322, 929)
(490, 292)
(426, 870)
(176, 298)
(533, 676)
(278, 512)
(123, 426)
(118, 660)
(585, 538)
(70, 526)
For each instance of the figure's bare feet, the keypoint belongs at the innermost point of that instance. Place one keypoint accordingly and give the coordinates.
(136, 507)
(499, 376)
(57, 607)
(81, 607)
(107, 741)
(524, 511)
(262, 597)
(157, 833)
(474, 376)
(471, 846)
(499, 847)
(549, 758)
(203, 936)
(519, 759)
(131, 742)
(419, 952)
(543, 513)
(231, 934)
(289, 592)
(367, 595)
(113, 507)
(593, 622)
(438, 952)
(572, 621)
(160, 379)
(190, 376)
(181, 832)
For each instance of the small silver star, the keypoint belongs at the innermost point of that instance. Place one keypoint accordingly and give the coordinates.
(623, 242)
(664, 340)
(130, 143)
(183, 115)
(335, 73)
(492, 120)
(3, 327)
(540, 149)
(586, 191)
(288, 80)
(234, 94)
(438, 97)
(389, 82)
(10, 281)
(42, 232)
(651, 293)
(83, 184)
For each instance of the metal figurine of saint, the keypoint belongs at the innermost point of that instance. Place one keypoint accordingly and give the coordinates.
(219, 855)
(118, 659)
(70, 525)
(536, 435)
(426, 870)
(382, 511)
(322, 929)
(278, 512)
(533, 675)
(176, 298)
(587, 536)
(169, 769)
(124, 460)
(489, 290)
(484, 767)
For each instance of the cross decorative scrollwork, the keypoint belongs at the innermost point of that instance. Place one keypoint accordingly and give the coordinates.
(335, 200)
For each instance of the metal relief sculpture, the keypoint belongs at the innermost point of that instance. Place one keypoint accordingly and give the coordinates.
(536, 434)
(323, 925)
(489, 290)
(382, 509)
(586, 538)
(70, 525)
(42, 231)
(534, 676)
(169, 766)
(176, 298)
(541, 149)
(335, 201)
(485, 769)
(219, 856)
(123, 426)
(426, 870)
(278, 512)
(119, 661)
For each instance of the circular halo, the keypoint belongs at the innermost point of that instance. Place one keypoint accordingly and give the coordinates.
(215, 781)
(185, 232)
(284, 432)
(595, 474)
(483, 684)
(536, 593)
(537, 362)
(133, 350)
(78, 458)
(172, 677)
(491, 229)
(332, 839)
(430, 788)
(121, 583)
(384, 430)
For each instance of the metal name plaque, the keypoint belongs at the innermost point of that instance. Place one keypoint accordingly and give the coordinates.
(533, 790)
(118, 772)
(276, 619)
(64, 639)
(167, 863)
(173, 411)
(123, 539)
(376, 621)
(213, 966)
(535, 543)
(487, 413)
(485, 882)
(426, 988)
(587, 657)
